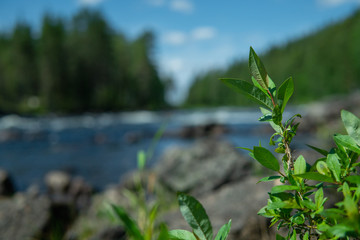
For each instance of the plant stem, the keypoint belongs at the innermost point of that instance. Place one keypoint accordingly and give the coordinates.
(272, 99)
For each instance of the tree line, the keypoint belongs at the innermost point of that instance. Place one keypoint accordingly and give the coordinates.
(323, 63)
(77, 65)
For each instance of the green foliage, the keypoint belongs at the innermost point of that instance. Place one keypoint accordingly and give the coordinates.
(324, 57)
(82, 66)
(145, 225)
(297, 204)
(196, 216)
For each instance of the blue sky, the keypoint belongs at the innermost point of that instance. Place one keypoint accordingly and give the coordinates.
(195, 35)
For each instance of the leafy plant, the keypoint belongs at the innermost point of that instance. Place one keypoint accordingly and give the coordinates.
(195, 215)
(298, 203)
(144, 226)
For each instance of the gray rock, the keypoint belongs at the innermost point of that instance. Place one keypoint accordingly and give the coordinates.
(204, 167)
(23, 217)
(6, 184)
(57, 181)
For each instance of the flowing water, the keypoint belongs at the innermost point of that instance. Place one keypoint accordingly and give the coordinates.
(103, 147)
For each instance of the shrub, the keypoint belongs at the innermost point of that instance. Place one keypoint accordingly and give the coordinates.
(298, 203)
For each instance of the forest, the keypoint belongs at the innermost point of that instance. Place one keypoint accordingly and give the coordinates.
(77, 65)
(323, 63)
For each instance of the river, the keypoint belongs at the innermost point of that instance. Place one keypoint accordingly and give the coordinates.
(103, 147)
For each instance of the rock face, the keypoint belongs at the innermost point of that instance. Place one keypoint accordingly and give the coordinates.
(204, 167)
(23, 216)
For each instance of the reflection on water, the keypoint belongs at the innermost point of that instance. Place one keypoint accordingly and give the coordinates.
(102, 147)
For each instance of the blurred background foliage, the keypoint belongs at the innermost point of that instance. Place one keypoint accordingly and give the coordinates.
(325, 62)
(83, 65)
(77, 66)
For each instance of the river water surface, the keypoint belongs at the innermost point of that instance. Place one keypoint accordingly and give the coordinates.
(103, 147)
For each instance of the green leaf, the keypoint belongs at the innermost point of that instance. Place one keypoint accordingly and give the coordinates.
(195, 215)
(179, 234)
(258, 70)
(283, 204)
(348, 142)
(323, 168)
(224, 231)
(293, 237)
(141, 159)
(273, 125)
(333, 163)
(164, 233)
(309, 204)
(266, 158)
(319, 150)
(268, 179)
(285, 92)
(300, 165)
(265, 118)
(279, 237)
(277, 115)
(315, 176)
(319, 197)
(130, 226)
(352, 125)
(306, 236)
(298, 219)
(283, 188)
(248, 90)
(353, 179)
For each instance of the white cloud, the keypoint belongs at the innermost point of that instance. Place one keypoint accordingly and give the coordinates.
(174, 65)
(203, 33)
(179, 38)
(156, 3)
(184, 6)
(175, 38)
(334, 3)
(89, 2)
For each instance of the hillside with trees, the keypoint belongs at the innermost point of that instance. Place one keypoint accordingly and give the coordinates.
(323, 63)
(77, 65)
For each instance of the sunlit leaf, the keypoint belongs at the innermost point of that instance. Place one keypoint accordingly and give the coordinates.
(333, 163)
(353, 179)
(315, 176)
(224, 231)
(195, 215)
(258, 70)
(283, 188)
(179, 234)
(348, 142)
(319, 197)
(268, 179)
(249, 91)
(285, 92)
(323, 168)
(300, 165)
(266, 158)
(352, 125)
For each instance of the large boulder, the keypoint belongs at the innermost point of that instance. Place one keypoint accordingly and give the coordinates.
(24, 216)
(204, 167)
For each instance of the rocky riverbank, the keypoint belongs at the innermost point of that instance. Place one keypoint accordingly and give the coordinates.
(221, 177)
